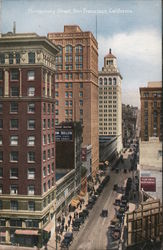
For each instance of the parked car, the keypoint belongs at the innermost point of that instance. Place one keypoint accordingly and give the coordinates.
(104, 213)
(85, 211)
(89, 206)
(68, 236)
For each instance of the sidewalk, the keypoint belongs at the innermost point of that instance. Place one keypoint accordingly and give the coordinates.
(51, 245)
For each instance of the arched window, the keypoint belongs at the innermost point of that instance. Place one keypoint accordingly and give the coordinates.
(105, 81)
(31, 57)
(114, 81)
(110, 81)
(79, 49)
(69, 49)
(100, 81)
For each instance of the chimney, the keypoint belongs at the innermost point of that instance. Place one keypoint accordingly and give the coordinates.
(14, 28)
(109, 51)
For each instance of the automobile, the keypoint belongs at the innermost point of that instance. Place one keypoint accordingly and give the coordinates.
(91, 201)
(75, 228)
(104, 213)
(116, 234)
(64, 244)
(76, 222)
(85, 211)
(68, 236)
(130, 149)
(89, 206)
(94, 197)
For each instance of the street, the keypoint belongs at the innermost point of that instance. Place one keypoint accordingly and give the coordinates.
(93, 235)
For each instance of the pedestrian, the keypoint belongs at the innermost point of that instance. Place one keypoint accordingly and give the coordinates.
(66, 228)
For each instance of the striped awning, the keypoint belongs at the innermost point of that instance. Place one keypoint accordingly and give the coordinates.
(26, 232)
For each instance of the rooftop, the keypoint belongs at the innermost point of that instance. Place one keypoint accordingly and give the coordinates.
(110, 55)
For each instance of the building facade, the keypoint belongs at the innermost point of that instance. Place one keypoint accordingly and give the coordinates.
(27, 137)
(150, 144)
(151, 119)
(77, 83)
(110, 103)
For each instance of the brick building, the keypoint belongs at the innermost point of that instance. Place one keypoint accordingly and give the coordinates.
(27, 136)
(151, 98)
(77, 83)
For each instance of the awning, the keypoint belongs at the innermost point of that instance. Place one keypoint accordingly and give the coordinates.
(74, 203)
(26, 232)
(49, 227)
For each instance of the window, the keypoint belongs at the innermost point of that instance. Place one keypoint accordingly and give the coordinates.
(109, 62)
(53, 167)
(1, 140)
(17, 58)
(14, 156)
(114, 81)
(49, 169)
(1, 123)
(31, 173)
(81, 85)
(2, 222)
(44, 123)
(44, 187)
(44, 155)
(31, 75)
(48, 184)
(79, 49)
(66, 94)
(56, 94)
(31, 140)
(31, 156)
(1, 189)
(1, 91)
(13, 189)
(66, 112)
(53, 108)
(1, 156)
(13, 173)
(31, 124)
(14, 74)
(31, 91)
(2, 58)
(56, 112)
(14, 140)
(81, 111)
(52, 137)
(14, 107)
(68, 49)
(81, 93)
(48, 153)
(1, 172)
(44, 108)
(48, 123)
(14, 123)
(31, 190)
(44, 139)
(14, 205)
(32, 223)
(31, 57)
(11, 58)
(81, 102)
(14, 91)
(31, 206)
(31, 108)
(48, 138)
(44, 171)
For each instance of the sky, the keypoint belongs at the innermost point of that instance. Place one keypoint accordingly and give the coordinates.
(131, 28)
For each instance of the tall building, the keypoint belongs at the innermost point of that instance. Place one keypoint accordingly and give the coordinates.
(151, 98)
(110, 103)
(27, 137)
(77, 83)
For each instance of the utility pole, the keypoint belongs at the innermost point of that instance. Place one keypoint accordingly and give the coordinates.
(0, 17)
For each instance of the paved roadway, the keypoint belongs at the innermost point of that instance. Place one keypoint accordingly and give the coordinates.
(93, 234)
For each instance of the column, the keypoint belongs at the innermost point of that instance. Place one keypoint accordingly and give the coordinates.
(6, 85)
(20, 84)
(46, 75)
(50, 85)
